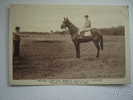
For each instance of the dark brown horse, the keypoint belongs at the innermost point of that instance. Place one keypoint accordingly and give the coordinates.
(95, 37)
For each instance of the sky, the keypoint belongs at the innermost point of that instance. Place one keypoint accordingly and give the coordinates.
(44, 18)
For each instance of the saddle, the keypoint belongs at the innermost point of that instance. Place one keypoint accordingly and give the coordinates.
(85, 33)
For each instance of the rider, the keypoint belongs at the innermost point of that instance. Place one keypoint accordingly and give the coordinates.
(87, 26)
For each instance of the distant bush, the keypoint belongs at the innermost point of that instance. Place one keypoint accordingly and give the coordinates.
(60, 32)
(34, 33)
(120, 30)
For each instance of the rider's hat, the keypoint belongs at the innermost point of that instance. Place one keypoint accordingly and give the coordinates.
(86, 16)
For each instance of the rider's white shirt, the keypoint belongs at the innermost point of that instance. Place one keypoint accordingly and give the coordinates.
(86, 28)
(87, 23)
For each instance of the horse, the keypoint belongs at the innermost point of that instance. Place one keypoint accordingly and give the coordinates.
(95, 37)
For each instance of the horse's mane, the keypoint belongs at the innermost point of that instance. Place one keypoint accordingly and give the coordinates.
(74, 28)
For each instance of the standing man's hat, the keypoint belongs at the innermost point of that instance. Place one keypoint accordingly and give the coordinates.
(17, 28)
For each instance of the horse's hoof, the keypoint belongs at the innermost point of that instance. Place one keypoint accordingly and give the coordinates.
(78, 57)
(97, 56)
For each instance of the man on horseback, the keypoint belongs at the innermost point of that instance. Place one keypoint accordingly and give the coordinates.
(95, 36)
(85, 31)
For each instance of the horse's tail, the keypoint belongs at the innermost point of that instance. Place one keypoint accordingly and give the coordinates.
(101, 42)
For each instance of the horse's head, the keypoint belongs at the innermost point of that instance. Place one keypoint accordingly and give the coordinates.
(65, 23)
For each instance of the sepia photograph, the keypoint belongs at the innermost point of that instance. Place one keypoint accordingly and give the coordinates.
(68, 44)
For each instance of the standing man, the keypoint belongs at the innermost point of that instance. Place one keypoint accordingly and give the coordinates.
(87, 26)
(16, 42)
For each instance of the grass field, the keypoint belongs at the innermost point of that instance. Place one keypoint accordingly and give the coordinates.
(55, 59)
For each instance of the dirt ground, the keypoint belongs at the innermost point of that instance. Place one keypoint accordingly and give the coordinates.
(56, 59)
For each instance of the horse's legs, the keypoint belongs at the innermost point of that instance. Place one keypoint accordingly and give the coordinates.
(78, 50)
(77, 46)
(96, 43)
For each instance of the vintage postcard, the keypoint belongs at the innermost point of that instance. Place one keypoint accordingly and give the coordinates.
(68, 44)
